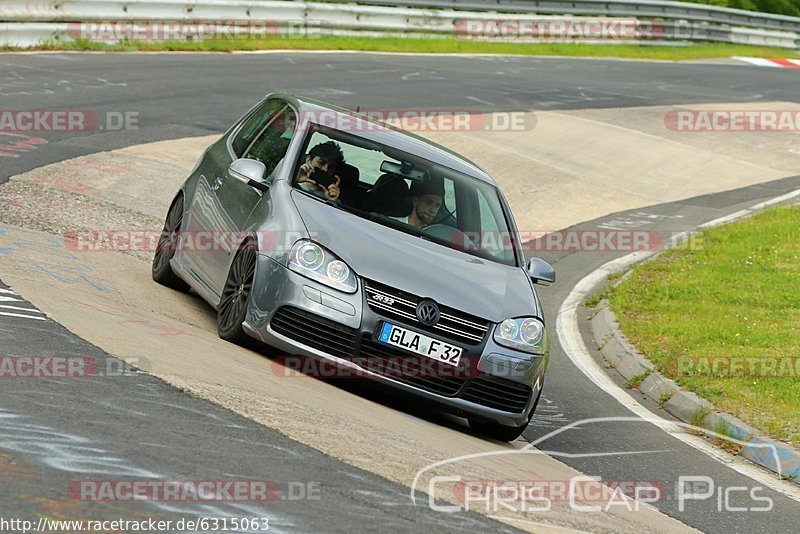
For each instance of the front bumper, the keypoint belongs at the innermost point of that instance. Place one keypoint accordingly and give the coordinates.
(299, 316)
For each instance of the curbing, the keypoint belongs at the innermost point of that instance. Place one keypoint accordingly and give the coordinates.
(620, 354)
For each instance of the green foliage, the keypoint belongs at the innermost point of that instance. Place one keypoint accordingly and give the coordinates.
(665, 397)
(635, 381)
(698, 418)
(781, 7)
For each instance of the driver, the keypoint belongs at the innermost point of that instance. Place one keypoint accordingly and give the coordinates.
(326, 157)
(427, 197)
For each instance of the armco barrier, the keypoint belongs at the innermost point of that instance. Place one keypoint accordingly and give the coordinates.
(613, 8)
(25, 23)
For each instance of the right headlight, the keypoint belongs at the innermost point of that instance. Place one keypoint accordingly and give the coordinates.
(315, 262)
(526, 334)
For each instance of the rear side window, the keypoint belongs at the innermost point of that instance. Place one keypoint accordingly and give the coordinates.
(253, 125)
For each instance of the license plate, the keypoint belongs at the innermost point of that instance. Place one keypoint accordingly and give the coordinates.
(420, 344)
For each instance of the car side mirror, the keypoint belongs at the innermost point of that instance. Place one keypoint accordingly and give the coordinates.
(541, 272)
(249, 172)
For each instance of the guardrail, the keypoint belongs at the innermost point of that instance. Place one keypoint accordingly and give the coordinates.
(25, 23)
(613, 8)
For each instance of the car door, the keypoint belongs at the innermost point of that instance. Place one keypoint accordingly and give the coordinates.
(235, 200)
(205, 216)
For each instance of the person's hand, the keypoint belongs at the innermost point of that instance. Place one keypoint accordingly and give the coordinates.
(332, 191)
(305, 171)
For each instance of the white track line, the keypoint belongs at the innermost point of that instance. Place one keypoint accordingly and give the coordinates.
(571, 341)
(23, 316)
(6, 292)
(776, 200)
(10, 299)
(17, 308)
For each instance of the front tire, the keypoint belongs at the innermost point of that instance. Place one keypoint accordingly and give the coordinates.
(232, 309)
(501, 432)
(165, 250)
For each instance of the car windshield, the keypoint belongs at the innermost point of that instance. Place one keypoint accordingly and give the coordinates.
(405, 192)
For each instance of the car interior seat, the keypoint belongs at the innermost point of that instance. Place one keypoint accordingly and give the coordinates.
(350, 192)
(390, 196)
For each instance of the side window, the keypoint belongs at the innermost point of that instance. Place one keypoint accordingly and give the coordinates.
(271, 145)
(254, 124)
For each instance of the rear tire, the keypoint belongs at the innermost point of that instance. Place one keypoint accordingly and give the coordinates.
(165, 250)
(501, 432)
(232, 309)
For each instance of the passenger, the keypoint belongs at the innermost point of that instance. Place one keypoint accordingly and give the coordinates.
(427, 197)
(324, 157)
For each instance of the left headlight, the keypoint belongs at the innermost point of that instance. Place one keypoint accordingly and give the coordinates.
(315, 262)
(527, 334)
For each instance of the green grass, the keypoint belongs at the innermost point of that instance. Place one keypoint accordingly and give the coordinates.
(724, 429)
(698, 418)
(594, 300)
(635, 381)
(731, 445)
(737, 296)
(434, 45)
(664, 398)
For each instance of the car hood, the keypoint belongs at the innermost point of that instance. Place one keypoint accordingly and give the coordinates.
(480, 287)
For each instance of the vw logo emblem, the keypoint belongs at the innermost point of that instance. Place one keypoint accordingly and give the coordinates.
(428, 312)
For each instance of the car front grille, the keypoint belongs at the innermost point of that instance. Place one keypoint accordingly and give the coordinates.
(498, 393)
(341, 341)
(452, 323)
(433, 376)
(316, 332)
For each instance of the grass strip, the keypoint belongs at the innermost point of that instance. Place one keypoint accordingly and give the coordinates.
(722, 318)
(435, 46)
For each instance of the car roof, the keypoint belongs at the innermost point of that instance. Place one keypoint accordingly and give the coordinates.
(392, 136)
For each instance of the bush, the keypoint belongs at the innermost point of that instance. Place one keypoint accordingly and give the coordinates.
(781, 7)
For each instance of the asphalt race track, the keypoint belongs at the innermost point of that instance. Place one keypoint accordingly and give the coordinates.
(184, 95)
(132, 424)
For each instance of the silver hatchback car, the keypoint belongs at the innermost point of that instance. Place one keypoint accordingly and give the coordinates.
(338, 239)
